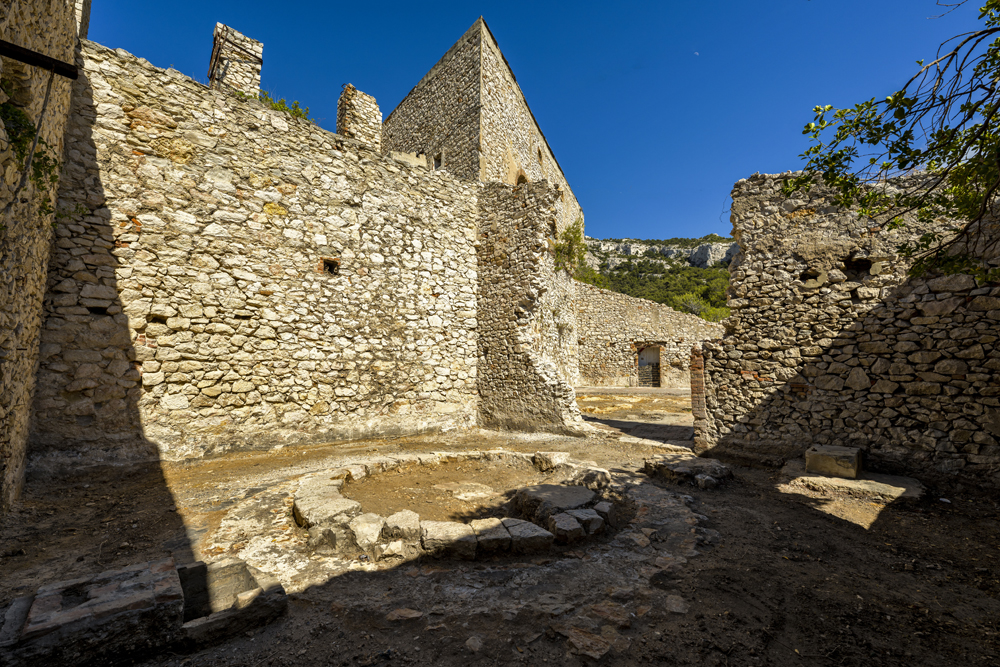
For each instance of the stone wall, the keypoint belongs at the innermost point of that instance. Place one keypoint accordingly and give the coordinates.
(440, 116)
(241, 278)
(512, 145)
(830, 343)
(520, 386)
(48, 27)
(236, 61)
(613, 327)
(358, 117)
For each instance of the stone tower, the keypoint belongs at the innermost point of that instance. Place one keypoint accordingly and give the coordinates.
(469, 116)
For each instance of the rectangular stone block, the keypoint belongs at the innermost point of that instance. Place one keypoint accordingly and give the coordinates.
(835, 461)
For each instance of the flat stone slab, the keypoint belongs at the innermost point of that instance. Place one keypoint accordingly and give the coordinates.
(868, 486)
(491, 534)
(542, 501)
(686, 468)
(318, 501)
(834, 460)
(526, 537)
(467, 490)
(448, 538)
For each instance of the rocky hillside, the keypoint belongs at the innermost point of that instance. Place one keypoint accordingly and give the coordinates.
(703, 253)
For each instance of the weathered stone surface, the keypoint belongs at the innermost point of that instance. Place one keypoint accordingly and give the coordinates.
(367, 529)
(590, 519)
(545, 461)
(685, 467)
(526, 537)
(833, 460)
(326, 508)
(404, 525)
(322, 539)
(541, 501)
(491, 535)
(448, 538)
(566, 528)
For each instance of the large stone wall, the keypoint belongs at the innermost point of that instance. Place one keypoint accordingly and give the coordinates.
(242, 278)
(48, 27)
(512, 145)
(440, 116)
(520, 383)
(612, 328)
(830, 343)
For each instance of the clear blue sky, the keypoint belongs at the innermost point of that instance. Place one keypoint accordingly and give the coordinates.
(653, 109)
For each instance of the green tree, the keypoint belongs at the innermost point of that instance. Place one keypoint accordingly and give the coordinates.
(942, 128)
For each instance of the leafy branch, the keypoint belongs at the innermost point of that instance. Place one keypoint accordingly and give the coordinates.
(941, 131)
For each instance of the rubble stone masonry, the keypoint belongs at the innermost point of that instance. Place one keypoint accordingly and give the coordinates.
(48, 27)
(241, 278)
(521, 297)
(358, 117)
(236, 61)
(829, 342)
(469, 111)
(613, 326)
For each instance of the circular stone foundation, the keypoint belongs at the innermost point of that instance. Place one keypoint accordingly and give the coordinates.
(465, 505)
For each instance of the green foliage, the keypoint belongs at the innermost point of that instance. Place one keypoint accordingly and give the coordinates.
(942, 128)
(571, 250)
(689, 289)
(20, 131)
(295, 111)
(678, 242)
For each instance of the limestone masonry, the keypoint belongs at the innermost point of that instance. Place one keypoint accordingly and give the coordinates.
(614, 327)
(829, 342)
(225, 276)
(49, 27)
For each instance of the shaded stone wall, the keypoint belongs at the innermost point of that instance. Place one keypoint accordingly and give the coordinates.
(48, 27)
(512, 144)
(519, 385)
(244, 279)
(358, 117)
(440, 116)
(830, 343)
(236, 61)
(612, 328)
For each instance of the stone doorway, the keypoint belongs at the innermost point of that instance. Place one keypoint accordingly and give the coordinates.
(649, 366)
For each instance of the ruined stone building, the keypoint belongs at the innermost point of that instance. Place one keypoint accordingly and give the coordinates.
(222, 275)
(831, 342)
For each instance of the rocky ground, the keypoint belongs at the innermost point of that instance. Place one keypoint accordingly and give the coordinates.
(753, 572)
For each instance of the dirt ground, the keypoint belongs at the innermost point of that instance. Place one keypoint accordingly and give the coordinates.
(794, 579)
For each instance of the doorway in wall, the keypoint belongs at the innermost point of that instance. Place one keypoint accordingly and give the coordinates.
(649, 366)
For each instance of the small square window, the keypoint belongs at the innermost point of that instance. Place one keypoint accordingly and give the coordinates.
(331, 265)
(437, 161)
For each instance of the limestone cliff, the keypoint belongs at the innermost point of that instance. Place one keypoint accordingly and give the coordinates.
(693, 251)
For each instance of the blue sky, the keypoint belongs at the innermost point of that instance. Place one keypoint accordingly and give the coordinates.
(653, 109)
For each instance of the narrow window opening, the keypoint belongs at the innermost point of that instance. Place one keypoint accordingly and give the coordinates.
(539, 156)
(331, 266)
(98, 310)
(437, 161)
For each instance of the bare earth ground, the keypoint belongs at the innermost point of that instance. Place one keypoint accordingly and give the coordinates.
(793, 579)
